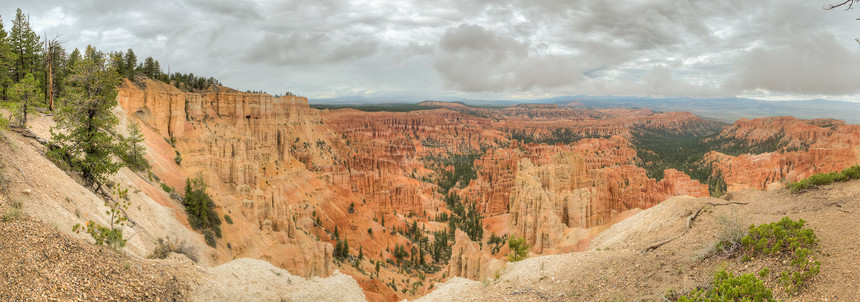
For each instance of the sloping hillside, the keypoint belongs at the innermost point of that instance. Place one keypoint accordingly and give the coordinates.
(619, 266)
(41, 257)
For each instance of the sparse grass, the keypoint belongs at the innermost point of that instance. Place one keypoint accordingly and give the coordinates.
(165, 246)
(13, 211)
(824, 179)
(731, 234)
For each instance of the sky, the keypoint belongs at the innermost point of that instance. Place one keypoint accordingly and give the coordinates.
(480, 49)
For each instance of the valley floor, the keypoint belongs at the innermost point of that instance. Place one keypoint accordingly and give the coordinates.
(617, 268)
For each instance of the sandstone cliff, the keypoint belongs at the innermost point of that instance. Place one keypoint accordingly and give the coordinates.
(799, 147)
(247, 147)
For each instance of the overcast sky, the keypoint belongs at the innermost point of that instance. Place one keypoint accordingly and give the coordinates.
(504, 49)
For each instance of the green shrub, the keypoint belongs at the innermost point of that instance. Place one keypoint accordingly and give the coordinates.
(785, 238)
(779, 237)
(728, 287)
(519, 248)
(210, 238)
(852, 172)
(178, 158)
(103, 235)
(228, 219)
(824, 179)
(166, 188)
(109, 235)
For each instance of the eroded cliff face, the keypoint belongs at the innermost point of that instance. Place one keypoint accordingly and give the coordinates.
(561, 200)
(800, 148)
(248, 149)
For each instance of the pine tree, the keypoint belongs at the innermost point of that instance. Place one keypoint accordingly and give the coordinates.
(134, 149)
(26, 47)
(130, 64)
(83, 140)
(117, 60)
(337, 249)
(377, 268)
(200, 206)
(6, 57)
(360, 253)
(345, 251)
(26, 96)
(149, 67)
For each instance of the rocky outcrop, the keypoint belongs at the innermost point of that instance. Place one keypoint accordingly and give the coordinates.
(468, 260)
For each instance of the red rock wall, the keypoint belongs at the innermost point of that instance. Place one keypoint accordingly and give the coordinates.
(832, 146)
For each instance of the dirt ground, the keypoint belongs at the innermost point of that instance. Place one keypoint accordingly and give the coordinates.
(616, 267)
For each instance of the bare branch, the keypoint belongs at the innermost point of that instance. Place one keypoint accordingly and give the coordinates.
(850, 4)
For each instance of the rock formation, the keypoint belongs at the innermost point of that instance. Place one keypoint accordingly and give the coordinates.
(555, 202)
(246, 147)
(802, 148)
(468, 260)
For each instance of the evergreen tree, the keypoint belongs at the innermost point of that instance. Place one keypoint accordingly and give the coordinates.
(26, 96)
(200, 206)
(149, 67)
(82, 139)
(345, 251)
(337, 249)
(130, 64)
(26, 47)
(6, 58)
(360, 253)
(134, 150)
(117, 60)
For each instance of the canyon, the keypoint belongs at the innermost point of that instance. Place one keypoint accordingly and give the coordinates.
(427, 195)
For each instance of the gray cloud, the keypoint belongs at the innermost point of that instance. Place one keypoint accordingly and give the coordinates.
(475, 59)
(306, 49)
(478, 48)
(806, 65)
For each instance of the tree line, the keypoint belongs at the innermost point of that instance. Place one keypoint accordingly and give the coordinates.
(36, 71)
